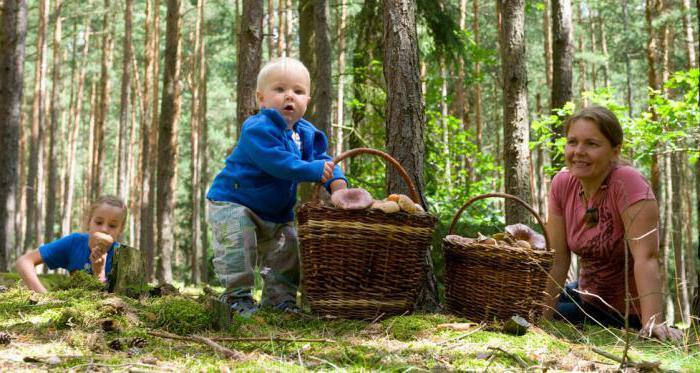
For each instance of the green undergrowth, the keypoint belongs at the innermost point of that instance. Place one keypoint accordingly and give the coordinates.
(77, 327)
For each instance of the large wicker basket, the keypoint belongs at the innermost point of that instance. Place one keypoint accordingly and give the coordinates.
(486, 282)
(362, 264)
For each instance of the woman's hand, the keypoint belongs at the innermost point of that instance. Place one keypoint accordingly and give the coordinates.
(663, 332)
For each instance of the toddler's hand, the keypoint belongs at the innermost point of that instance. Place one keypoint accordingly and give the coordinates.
(327, 171)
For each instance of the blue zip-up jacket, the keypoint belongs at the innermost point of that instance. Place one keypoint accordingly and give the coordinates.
(265, 167)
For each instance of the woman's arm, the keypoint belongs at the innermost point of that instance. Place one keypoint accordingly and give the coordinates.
(641, 223)
(25, 267)
(562, 259)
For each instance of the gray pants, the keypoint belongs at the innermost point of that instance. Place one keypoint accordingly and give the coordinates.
(243, 241)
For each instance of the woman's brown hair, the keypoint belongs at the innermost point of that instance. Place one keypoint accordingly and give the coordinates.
(109, 200)
(605, 119)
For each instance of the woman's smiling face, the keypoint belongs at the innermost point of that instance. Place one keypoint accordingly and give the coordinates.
(588, 152)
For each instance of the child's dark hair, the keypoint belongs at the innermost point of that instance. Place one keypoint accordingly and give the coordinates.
(109, 200)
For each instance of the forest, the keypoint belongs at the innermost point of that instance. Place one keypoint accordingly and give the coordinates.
(145, 100)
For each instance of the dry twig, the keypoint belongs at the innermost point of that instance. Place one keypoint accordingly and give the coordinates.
(231, 354)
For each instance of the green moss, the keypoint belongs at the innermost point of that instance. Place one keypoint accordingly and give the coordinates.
(179, 315)
(406, 328)
(80, 280)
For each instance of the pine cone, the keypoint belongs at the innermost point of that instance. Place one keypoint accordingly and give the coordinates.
(137, 342)
(116, 345)
(5, 338)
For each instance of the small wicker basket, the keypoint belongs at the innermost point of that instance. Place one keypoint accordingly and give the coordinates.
(362, 264)
(485, 282)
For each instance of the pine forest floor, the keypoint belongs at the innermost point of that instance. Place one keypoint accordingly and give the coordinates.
(77, 329)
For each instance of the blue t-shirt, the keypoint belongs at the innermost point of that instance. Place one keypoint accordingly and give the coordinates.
(72, 253)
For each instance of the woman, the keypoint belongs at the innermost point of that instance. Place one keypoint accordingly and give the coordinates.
(598, 206)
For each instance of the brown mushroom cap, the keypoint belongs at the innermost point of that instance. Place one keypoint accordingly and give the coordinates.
(352, 199)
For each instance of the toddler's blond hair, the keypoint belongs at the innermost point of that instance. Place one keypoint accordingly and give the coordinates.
(280, 63)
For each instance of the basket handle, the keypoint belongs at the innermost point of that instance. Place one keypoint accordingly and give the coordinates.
(505, 196)
(387, 157)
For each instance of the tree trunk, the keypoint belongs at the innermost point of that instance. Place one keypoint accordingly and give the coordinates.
(548, 52)
(13, 31)
(604, 47)
(270, 28)
(688, 33)
(103, 106)
(307, 56)
(204, 174)
(281, 29)
(515, 113)
(445, 127)
(195, 146)
(690, 255)
(477, 74)
(323, 78)
(52, 184)
(562, 61)
(31, 238)
(167, 144)
(651, 10)
(677, 228)
(405, 116)
(628, 66)
(340, 117)
(288, 28)
(581, 61)
(249, 56)
(122, 184)
(69, 176)
(460, 100)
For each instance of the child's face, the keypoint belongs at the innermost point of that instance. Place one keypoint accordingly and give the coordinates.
(287, 91)
(106, 219)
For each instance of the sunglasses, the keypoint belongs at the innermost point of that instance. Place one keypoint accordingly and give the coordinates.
(590, 218)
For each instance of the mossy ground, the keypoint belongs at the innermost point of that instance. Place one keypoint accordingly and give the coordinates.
(65, 329)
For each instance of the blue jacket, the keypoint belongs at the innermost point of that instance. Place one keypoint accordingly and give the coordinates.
(265, 167)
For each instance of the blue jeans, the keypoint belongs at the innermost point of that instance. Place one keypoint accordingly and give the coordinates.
(571, 308)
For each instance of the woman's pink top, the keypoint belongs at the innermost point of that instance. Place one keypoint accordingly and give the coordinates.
(601, 248)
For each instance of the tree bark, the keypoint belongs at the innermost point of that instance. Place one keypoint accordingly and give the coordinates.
(307, 54)
(477, 74)
(13, 31)
(270, 28)
(405, 114)
(677, 233)
(123, 184)
(69, 177)
(31, 238)
(56, 87)
(204, 174)
(322, 79)
(562, 62)
(688, 33)
(103, 105)
(548, 52)
(604, 47)
(581, 62)
(515, 111)
(340, 116)
(628, 65)
(249, 56)
(651, 11)
(282, 27)
(167, 144)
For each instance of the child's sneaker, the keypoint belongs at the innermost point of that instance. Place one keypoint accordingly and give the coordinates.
(243, 306)
(288, 306)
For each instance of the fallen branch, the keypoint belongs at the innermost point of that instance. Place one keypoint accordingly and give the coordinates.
(269, 339)
(515, 357)
(628, 362)
(479, 327)
(231, 354)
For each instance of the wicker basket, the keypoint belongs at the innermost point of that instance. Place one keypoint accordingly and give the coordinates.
(485, 282)
(362, 264)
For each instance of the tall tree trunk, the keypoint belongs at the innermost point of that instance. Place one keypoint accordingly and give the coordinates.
(405, 116)
(249, 56)
(477, 73)
(282, 28)
(195, 146)
(56, 87)
(690, 254)
(515, 113)
(124, 111)
(604, 47)
(562, 61)
(31, 238)
(91, 145)
(270, 28)
(651, 11)
(204, 173)
(460, 100)
(628, 65)
(677, 228)
(548, 52)
(307, 56)
(322, 78)
(581, 49)
(340, 116)
(445, 127)
(74, 132)
(13, 31)
(103, 107)
(288, 27)
(688, 33)
(666, 237)
(167, 144)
